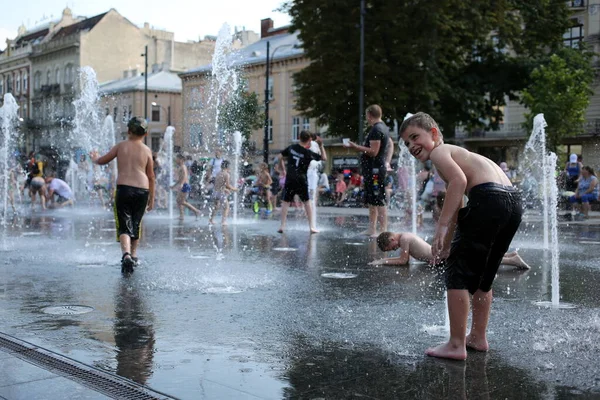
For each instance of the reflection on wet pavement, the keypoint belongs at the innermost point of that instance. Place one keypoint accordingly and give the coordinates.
(244, 312)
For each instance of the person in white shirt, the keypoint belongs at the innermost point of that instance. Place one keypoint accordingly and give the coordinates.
(61, 189)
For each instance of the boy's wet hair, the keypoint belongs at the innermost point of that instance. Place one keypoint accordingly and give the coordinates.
(305, 136)
(384, 240)
(138, 126)
(224, 164)
(420, 120)
(374, 110)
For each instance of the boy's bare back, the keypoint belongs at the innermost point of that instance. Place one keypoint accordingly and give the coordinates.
(133, 161)
(477, 169)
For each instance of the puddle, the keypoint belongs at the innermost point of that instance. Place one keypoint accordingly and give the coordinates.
(339, 275)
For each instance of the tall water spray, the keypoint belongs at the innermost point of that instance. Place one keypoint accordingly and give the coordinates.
(407, 165)
(108, 132)
(237, 152)
(536, 154)
(86, 135)
(8, 118)
(165, 157)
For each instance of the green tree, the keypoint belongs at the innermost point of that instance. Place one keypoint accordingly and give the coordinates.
(450, 58)
(560, 89)
(242, 112)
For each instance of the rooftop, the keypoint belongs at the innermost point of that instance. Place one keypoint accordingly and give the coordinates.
(281, 46)
(162, 81)
(84, 25)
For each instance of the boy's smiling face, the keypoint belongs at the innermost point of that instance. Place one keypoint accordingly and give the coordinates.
(420, 142)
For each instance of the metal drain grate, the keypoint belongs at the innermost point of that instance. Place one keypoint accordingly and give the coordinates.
(108, 384)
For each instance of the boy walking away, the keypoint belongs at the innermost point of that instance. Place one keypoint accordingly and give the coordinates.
(298, 159)
(482, 230)
(183, 188)
(221, 192)
(411, 245)
(135, 188)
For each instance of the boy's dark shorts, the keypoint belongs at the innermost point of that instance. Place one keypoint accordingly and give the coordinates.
(295, 187)
(130, 205)
(375, 197)
(485, 229)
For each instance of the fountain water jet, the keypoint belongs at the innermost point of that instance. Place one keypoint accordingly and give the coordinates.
(536, 154)
(237, 151)
(8, 117)
(165, 158)
(407, 164)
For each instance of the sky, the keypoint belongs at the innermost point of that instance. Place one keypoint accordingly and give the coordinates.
(189, 20)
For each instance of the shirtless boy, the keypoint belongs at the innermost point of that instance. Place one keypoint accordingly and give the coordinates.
(483, 230)
(411, 245)
(135, 188)
(221, 193)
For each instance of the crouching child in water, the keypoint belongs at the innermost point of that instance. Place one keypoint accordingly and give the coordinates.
(411, 245)
(135, 188)
(472, 239)
(221, 192)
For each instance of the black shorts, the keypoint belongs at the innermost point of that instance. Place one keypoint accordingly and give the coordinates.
(375, 188)
(295, 187)
(485, 229)
(130, 205)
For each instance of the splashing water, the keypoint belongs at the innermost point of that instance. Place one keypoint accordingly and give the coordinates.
(165, 159)
(407, 170)
(8, 118)
(85, 135)
(237, 140)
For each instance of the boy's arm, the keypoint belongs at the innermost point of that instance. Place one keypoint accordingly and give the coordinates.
(228, 185)
(151, 182)
(180, 178)
(455, 189)
(281, 165)
(369, 151)
(105, 159)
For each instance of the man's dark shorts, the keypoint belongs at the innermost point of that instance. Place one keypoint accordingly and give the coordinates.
(295, 187)
(485, 229)
(373, 196)
(130, 205)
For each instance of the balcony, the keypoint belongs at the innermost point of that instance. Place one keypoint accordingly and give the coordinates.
(577, 3)
(49, 90)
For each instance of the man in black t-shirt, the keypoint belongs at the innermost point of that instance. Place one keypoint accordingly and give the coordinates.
(373, 163)
(296, 183)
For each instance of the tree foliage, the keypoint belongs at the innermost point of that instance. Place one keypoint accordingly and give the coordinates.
(242, 113)
(457, 60)
(561, 90)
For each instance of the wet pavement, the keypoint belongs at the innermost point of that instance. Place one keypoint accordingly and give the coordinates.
(242, 312)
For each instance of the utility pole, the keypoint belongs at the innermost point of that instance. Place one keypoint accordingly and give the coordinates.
(361, 90)
(145, 83)
(266, 137)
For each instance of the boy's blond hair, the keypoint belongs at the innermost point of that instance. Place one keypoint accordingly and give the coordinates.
(420, 120)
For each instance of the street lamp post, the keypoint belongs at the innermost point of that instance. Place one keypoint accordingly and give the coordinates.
(145, 55)
(268, 66)
(361, 89)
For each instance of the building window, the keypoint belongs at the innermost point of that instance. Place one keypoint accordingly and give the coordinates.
(124, 114)
(271, 88)
(195, 102)
(18, 83)
(9, 88)
(25, 82)
(25, 110)
(306, 124)
(156, 113)
(196, 135)
(48, 77)
(115, 114)
(69, 73)
(1, 85)
(57, 75)
(295, 128)
(573, 36)
(129, 112)
(270, 130)
(37, 80)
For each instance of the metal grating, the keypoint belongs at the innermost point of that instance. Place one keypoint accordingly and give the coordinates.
(108, 384)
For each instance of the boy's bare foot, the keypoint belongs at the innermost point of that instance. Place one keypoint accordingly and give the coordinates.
(223, 223)
(447, 350)
(313, 230)
(374, 236)
(280, 230)
(367, 233)
(477, 344)
(211, 222)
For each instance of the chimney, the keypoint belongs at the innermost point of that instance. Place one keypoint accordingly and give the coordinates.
(8, 47)
(265, 25)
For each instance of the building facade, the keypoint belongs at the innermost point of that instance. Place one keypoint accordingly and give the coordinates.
(125, 98)
(507, 143)
(285, 122)
(51, 58)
